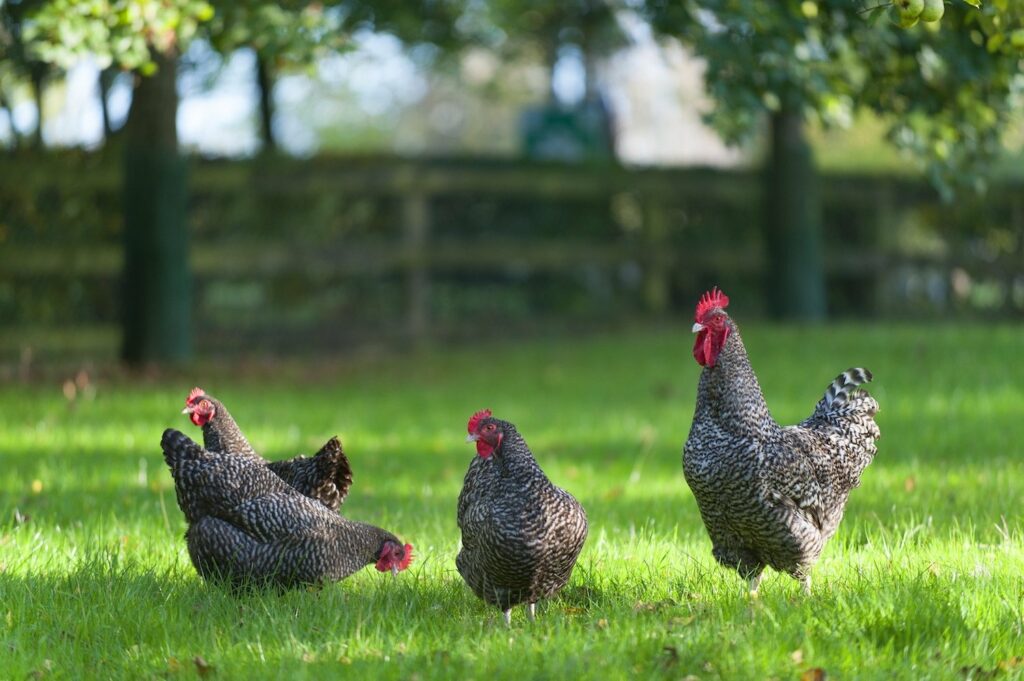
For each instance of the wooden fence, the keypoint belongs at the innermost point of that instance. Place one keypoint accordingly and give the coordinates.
(336, 250)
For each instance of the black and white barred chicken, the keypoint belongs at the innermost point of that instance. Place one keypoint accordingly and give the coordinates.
(770, 495)
(325, 477)
(521, 535)
(247, 526)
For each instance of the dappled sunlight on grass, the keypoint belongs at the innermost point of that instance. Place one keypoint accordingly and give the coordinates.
(923, 577)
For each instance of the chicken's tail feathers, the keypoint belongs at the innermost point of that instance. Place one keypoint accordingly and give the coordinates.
(845, 399)
(844, 387)
(334, 468)
(179, 447)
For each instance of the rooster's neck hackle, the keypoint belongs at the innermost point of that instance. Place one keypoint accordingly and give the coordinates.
(222, 434)
(730, 394)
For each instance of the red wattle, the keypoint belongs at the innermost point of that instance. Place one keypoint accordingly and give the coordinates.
(699, 350)
(709, 345)
(483, 449)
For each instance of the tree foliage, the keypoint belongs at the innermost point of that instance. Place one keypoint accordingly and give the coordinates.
(122, 32)
(119, 32)
(948, 91)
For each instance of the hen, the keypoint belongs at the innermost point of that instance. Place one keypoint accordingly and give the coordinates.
(247, 526)
(521, 534)
(326, 477)
(769, 495)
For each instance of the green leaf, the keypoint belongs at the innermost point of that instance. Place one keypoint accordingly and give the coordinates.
(876, 14)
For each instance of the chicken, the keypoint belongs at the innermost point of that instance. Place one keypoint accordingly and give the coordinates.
(326, 477)
(769, 495)
(247, 526)
(521, 535)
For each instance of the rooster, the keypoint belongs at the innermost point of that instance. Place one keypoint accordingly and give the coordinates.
(769, 495)
(521, 534)
(326, 477)
(247, 526)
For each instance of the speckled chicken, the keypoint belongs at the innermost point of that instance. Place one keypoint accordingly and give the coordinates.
(770, 495)
(326, 477)
(247, 526)
(521, 535)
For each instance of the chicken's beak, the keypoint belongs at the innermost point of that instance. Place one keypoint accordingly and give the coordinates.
(186, 410)
(472, 437)
(697, 328)
(394, 571)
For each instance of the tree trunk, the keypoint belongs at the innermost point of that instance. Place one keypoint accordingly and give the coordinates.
(796, 278)
(37, 73)
(157, 280)
(265, 84)
(104, 83)
(7, 109)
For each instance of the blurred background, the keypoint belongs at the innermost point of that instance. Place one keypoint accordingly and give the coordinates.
(187, 179)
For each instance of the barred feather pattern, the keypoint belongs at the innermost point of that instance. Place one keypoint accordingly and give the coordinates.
(772, 495)
(521, 535)
(325, 477)
(246, 525)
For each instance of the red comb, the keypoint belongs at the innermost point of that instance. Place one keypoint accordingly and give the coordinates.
(709, 301)
(476, 419)
(196, 392)
(407, 559)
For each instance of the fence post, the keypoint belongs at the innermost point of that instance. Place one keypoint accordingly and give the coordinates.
(415, 235)
(656, 279)
(884, 219)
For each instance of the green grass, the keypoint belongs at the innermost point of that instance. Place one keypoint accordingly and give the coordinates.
(925, 578)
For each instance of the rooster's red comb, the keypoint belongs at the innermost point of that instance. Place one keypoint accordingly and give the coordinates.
(407, 559)
(196, 392)
(476, 418)
(709, 301)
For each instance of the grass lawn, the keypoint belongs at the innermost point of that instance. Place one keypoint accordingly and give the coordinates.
(925, 578)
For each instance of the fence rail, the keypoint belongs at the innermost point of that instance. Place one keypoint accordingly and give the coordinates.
(413, 248)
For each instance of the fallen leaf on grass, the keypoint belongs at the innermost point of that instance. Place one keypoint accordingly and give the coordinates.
(202, 666)
(671, 656)
(909, 484)
(976, 671)
(602, 623)
(814, 674)
(37, 486)
(797, 656)
(173, 665)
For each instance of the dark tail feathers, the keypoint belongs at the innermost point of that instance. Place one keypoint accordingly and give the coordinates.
(179, 447)
(845, 387)
(334, 466)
